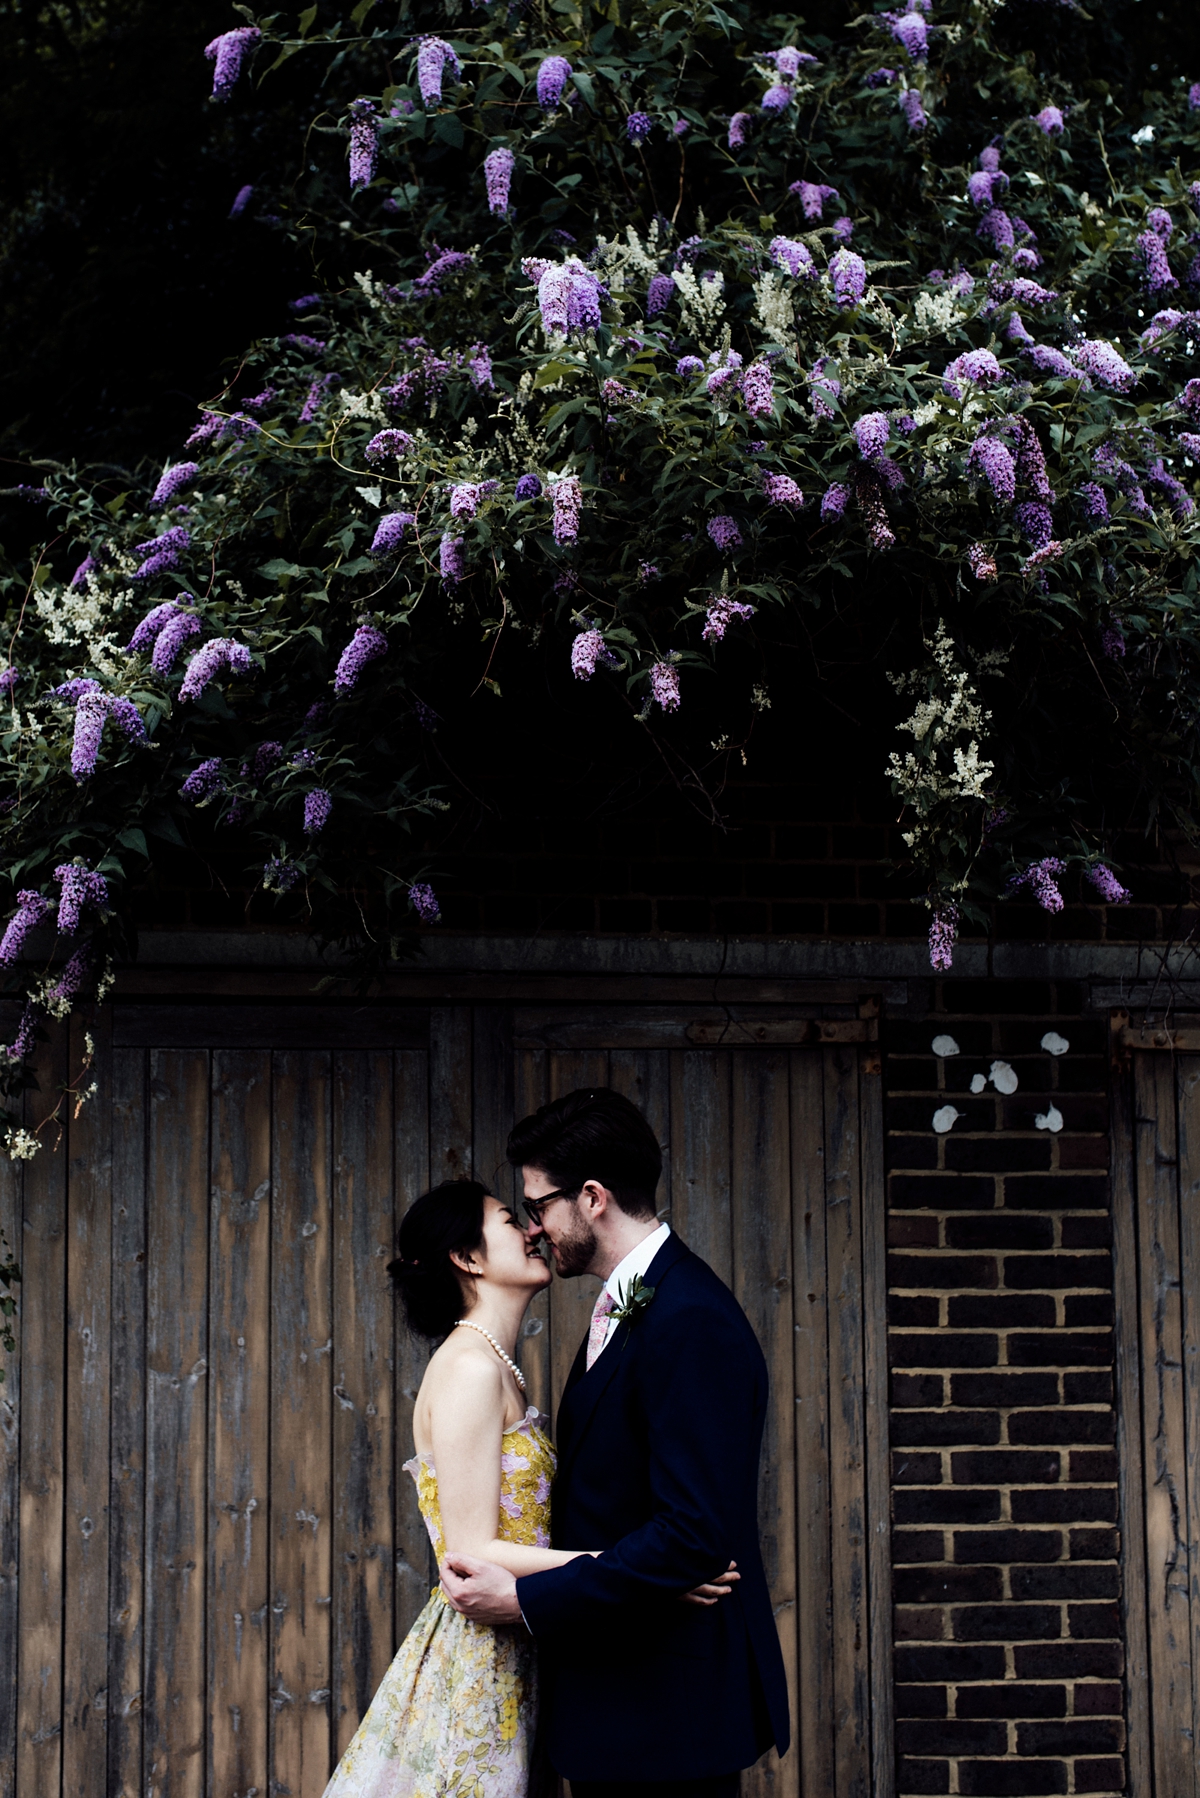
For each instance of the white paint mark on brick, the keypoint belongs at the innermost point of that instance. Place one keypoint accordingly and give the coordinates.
(945, 1045)
(978, 1082)
(1050, 1120)
(1002, 1077)
(1054, 1044)
(943, 1119)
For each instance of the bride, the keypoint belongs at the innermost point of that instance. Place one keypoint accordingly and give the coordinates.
(456, 1712)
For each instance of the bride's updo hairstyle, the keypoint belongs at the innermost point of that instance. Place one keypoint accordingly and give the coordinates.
(446, 1221)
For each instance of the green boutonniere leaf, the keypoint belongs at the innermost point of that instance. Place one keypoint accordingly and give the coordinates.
(633, 1302)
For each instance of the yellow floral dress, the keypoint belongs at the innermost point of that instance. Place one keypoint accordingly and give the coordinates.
(456, 1712)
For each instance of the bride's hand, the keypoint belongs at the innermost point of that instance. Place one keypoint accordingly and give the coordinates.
(718, 1588)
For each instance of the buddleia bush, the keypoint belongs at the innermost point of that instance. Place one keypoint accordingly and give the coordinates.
(634, 326)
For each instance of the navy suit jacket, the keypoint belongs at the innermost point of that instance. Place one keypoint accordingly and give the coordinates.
(658, 1450)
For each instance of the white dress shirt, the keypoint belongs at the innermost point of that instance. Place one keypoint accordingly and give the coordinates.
(636, 1262)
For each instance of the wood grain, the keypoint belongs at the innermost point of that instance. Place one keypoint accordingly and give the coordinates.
(175, 1718)
(11, 1213)
(872, 1201)
(239, 1420)
(1130, 1463)
(1188, 1098)
(301, 1396)
(127, 1516)
(414, 1570)
(450, 1093)
(43, 1421)
(530, 1078)
(363, 1470)
(762, 1282)
(700, 1150)
(89, 1263)
(571, 1300)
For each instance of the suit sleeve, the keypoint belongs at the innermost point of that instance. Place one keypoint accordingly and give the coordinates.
(704, 1391)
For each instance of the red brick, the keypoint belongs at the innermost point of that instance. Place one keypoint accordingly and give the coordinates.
(909, 1546)
(1011, 1779)
(1099, 1776)
(906, 1231)
(1007, 1622)
(1093, 1699)
(921, 1701)
(920, 1777)
(918, 1625)
(1012, 1699)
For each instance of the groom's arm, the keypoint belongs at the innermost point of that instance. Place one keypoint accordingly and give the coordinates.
(703, 1397)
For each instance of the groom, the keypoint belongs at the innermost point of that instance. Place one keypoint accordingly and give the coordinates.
(659, 1432)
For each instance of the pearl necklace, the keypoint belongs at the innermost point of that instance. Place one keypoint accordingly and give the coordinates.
(508, 1361)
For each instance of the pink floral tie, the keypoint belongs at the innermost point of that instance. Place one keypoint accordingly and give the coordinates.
(599, 1330)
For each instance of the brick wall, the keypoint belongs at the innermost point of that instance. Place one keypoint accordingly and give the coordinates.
(1008, 1650)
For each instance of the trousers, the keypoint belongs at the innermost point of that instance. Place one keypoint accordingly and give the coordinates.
(725, 1785)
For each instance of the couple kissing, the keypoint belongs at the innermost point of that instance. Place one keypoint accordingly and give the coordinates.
(607, 1620)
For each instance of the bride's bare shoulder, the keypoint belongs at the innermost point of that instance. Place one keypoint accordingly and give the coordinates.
(460, 1374)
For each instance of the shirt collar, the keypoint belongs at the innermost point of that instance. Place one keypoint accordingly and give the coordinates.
(636, 1262)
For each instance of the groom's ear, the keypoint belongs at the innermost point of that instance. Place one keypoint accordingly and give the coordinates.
(597, 1198)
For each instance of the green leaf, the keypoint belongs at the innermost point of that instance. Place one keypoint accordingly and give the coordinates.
(133, 838)
(304, 24)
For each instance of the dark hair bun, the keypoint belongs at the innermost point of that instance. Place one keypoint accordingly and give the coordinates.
(448, 1220)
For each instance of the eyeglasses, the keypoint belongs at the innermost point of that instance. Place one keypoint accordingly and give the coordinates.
(534, 1207)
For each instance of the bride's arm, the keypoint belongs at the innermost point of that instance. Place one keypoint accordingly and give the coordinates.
(466, 1425)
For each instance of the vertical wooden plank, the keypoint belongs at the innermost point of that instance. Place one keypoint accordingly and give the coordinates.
(43, 1372)
(176, 1714)
(530, 1076)
(89, 1264)
(644, 1077)
(239, 1420)
(847, 1429)
(301, 1348)
(700, 1175)
(413, 1555)
(1163, 1442)
(1130, 1467)
(364, 1209)
(127, 1445)
(813, 1718)
(1188, 1087)
(762, 1281)
(492, 1115)
(571, 1301)
(11, 1212)
(872, 1203)
(450, 1092)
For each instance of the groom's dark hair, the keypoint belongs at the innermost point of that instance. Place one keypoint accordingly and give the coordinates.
(592, 1134)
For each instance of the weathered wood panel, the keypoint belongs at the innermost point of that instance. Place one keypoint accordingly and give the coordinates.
(176, 1721)
(301, 1397)
(363, 1471)
(530, 1075)
(413, 1555)
(239, 1420)
(43, 1422)
(11, 1213)
(89, 1261)
(127, 1516)
(573, 1300)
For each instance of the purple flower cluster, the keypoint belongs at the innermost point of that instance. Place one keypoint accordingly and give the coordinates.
(304, 340)
(795, 257)
(689, 366)
(1093, 502)
(217, 653)
(1015, 332)
(842, 230)
(1050, 361)
(1154, 256)
(366, 645)
(664, 686)
(389, 533)
(228, 54)
(1175, 493)
(1106, 884)
(452, 563)
(1189, 400)
(315, 398)
(977, 366)
(569, 296)
(825, 390)
(943, 934)
(638, 127)
(92, 711)
(464, 500)
(848, 276)
(913, 109)
(441, 264)
(1040, 878)
(909, 30)
(1193, 98)
(172, 479)
(553, 74)
(880, 77)
(386, 445)
(567, 499)
(1113, 643)
(498, 167)
(982, 185)
(317, 806)
(871, 433)
(1036, 522)
(723, 531)
(280, 875)
(1049, 120)
(617, 393)
(31, 909)
(71, 981)
(993, 460)
(587, 652)
(982, 563)
(1158, 220)
(777, 98)
(834, 501)
(722, 612)
(364, 144)
(165, 629)
(812, 196)
(1100, 360)
(527, 487)
(161, 553)
(737, 130)
(82, 887)
(22, 1043)
(422, 897)
(204, 782)
(996, 228)
(781, 490)
(659, 295)
(1190, 442)
(89, 565)
(758, 390)
(433, 53)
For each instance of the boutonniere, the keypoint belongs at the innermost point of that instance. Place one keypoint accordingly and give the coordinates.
(633, 1303)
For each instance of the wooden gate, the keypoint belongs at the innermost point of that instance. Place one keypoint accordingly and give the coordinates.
(201, 1489)
(1156, 1253)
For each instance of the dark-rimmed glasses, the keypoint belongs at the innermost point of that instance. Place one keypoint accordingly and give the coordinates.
(533, 1207)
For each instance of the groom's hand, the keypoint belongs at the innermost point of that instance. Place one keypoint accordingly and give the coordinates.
(721, 1587)
(480, 1590)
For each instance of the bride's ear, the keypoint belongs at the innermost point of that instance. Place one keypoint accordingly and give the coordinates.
(466, 1263)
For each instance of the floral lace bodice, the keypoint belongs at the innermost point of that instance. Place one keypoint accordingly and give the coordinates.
(526, 1471)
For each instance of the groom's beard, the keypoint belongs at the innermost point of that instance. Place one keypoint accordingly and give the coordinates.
(574, 1253)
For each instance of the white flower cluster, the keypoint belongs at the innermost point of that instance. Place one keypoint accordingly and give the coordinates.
(85, 616)
(19, 1145)
(362, 405)
(702, 302)
(773, 307)
(948, 723)
(936, 313)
